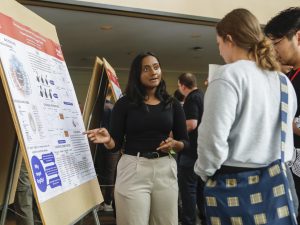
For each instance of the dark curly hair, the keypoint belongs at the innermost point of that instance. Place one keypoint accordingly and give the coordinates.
(136, 91)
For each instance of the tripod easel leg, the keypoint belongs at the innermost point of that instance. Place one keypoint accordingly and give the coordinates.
(10, 179)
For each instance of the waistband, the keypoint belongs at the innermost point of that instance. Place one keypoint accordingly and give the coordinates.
(148, 155)
(233, 169)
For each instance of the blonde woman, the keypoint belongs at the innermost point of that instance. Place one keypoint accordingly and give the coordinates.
(241, 125)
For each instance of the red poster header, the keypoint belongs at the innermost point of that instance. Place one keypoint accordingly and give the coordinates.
(24, 34)
(112, 77)
(111, 73)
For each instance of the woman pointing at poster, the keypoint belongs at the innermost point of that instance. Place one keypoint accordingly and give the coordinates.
(146, 189)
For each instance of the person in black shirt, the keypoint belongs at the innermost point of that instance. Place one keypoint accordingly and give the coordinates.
(190, 186)
(180, 97)
(146, 189)
(284, 31)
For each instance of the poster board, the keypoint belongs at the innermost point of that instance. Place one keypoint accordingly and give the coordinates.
(103, 80)
(46, 116)
(94, 101)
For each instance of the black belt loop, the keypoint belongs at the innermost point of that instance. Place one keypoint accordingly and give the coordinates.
(148, 155)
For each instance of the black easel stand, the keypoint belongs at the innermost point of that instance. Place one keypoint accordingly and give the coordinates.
(94, 210)
(10, 179)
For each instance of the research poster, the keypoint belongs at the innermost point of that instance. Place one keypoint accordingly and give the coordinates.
(47, 109)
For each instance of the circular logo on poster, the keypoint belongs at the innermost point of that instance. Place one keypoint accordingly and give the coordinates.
(19, 76)
(39, 173)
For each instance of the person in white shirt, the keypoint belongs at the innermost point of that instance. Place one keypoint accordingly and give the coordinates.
(240, 126)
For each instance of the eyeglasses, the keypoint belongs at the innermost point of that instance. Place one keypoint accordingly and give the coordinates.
(277, 41)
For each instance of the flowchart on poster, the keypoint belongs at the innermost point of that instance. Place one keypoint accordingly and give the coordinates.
(47, 109)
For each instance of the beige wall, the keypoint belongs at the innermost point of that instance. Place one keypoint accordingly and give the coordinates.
(211, 9)
(81, 79)
(263, 9)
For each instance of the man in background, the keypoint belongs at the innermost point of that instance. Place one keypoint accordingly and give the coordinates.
(190, 186)
(284, 31)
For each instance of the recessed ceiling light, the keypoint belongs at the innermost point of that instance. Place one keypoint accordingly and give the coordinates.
(106, 27)
(197, 48)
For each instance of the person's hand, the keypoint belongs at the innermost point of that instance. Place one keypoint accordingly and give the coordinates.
(98, 136)
(167, 145)
(296, 128)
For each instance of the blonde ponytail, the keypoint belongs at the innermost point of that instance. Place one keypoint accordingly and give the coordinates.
(264, 55)
(246, 33)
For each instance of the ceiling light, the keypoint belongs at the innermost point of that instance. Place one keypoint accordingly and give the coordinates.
(106, 27)
(197, 48)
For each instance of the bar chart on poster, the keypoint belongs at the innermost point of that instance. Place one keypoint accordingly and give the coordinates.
(47, 118)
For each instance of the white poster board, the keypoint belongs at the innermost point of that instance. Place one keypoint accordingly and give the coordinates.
(47, 108)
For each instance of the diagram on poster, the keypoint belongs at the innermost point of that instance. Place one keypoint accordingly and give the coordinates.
(47, 109)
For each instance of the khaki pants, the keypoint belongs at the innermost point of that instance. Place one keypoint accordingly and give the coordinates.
(24, 199)
(146, 191)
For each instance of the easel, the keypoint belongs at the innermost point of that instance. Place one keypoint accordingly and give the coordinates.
(94, 108)
(100, 85)
(95, 214)
(55, 206)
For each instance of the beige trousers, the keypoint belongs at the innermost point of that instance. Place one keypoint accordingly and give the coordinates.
(146, 191)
